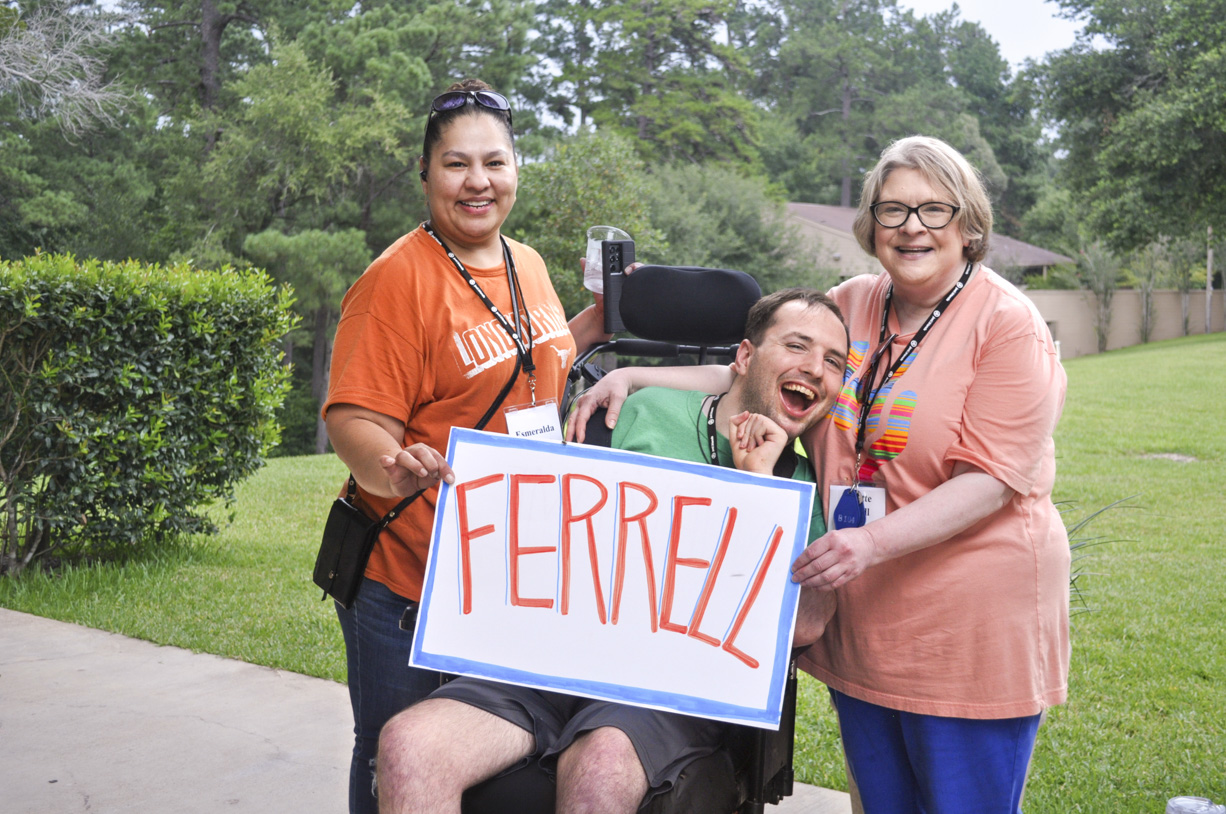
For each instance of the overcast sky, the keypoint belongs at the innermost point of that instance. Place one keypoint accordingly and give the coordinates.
(1022, 28)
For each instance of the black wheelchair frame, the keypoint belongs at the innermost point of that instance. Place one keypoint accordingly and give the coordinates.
(754, 768)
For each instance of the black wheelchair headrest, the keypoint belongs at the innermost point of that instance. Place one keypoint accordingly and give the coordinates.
(685, 304)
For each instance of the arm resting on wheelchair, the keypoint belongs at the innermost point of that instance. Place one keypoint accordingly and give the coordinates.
(587, 327)
(612, 390)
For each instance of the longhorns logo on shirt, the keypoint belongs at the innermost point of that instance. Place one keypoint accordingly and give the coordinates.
(563, 354)
(487, 345)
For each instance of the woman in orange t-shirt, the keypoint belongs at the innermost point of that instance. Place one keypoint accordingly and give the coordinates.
(448, 319)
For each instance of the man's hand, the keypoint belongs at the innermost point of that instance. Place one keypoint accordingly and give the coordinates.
(415, 468)
(757, 442)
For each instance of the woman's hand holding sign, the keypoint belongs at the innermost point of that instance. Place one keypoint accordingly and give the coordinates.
(415, 468)
(835, 558)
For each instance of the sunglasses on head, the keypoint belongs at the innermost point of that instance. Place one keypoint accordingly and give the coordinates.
(456, 99)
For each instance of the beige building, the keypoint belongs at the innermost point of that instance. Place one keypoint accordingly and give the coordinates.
(1070, 317)
(1068, 314)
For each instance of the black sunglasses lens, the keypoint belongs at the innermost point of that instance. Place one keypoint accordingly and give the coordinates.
(450, 101)
(494, 101)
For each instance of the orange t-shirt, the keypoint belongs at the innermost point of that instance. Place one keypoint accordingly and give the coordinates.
(975, 626)
(416, 343)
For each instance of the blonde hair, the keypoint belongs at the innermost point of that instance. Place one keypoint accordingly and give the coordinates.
(944, 168)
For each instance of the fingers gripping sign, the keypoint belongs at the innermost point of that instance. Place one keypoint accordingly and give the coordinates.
(415, 468)
(835, 558)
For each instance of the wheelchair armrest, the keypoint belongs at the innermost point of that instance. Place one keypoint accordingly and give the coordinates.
(597, 434)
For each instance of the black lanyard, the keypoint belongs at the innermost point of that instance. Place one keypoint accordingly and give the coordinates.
(866, 404)
(712, 444)
(519, 329)
(785, 465)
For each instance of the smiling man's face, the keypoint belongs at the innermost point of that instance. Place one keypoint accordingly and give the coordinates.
(794, 373)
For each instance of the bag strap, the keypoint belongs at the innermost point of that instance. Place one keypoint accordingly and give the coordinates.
(506, 388)
(352, 491)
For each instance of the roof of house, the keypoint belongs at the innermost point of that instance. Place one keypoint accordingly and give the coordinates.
(1003, 252)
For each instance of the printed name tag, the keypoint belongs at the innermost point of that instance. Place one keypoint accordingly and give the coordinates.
(538, 421)
(844, 510)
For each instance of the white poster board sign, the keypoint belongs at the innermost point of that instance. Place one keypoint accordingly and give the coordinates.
(614, 575)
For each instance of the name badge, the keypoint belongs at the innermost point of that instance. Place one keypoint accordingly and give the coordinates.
(854, 506)
(539, 420)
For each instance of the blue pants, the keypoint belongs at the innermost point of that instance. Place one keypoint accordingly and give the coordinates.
(904, 763)
(381, 682)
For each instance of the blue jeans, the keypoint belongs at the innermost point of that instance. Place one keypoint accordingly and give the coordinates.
(905, 763)
(381, 682)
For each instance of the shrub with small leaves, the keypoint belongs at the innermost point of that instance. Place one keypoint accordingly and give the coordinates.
(131, 398)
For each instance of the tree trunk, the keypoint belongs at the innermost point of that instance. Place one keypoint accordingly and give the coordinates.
(320, 360)
(1103, 328)
(1147, 311)
(212, 24)
(1209, 286)
(649, 68)
(845, 186)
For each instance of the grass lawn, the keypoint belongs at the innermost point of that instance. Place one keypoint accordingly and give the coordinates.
(1146, 717)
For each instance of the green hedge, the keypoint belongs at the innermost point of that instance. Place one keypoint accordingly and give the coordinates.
(131, 398)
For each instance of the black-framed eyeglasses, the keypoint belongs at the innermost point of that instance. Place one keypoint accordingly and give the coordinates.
(864, 390)
(456, 99)
(931, 214)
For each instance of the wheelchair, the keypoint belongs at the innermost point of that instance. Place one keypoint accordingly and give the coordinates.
(674, 311)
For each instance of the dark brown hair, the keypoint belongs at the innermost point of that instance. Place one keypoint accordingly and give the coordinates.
(438, 122)
(762, 315)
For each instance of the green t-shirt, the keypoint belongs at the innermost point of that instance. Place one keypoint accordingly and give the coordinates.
(671, 424)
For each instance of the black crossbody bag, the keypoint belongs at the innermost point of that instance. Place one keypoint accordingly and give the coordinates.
(350, 535)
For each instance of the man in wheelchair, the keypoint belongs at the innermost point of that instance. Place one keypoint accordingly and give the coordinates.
(609, 757)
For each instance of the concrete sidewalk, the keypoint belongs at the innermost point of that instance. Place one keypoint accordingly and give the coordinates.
(93, 721)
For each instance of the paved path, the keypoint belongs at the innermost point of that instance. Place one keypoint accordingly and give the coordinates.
(96, 722)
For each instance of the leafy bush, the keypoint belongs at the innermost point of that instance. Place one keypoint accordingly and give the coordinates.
(131, 397)
(298, 413)
(1062, 277)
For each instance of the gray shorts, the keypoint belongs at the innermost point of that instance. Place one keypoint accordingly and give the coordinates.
(665, 742)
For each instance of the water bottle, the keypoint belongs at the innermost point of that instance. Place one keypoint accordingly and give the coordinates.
(1193, 805)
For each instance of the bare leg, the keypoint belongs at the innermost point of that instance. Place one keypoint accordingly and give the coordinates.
(600, 774)
(434, 750)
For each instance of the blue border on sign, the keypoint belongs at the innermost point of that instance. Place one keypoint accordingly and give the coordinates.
(768, 717)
